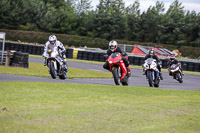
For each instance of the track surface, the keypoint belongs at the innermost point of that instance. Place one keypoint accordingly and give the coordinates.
(190, 82)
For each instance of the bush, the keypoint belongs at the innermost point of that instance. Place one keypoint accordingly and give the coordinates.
(81, 41)
(192, 52)
(67, 40)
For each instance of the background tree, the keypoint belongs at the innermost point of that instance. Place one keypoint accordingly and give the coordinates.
(11, 13)
(150, 23)
(191, 29)
(173, 24)
(85, 16)
(132, 21)
(109, 19)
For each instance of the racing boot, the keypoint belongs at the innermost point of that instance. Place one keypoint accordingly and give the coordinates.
(128, 71)
(161, 77)
(144, 72)
(45, 62)
(65, 65)
(182, 72)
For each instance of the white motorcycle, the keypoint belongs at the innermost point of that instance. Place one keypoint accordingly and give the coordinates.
(55, 63)
(151, 72)
(175, 71)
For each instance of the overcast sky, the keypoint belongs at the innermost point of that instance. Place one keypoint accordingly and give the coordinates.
(145, 4)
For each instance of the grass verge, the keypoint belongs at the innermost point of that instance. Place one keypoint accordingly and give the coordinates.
(38, 69)
(61, 107)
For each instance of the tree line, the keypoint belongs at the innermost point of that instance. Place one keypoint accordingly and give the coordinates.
(109, 20)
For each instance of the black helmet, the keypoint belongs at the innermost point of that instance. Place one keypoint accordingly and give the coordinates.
(151, 52)
(172, 57)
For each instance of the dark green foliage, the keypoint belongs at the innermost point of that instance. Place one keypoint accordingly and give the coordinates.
(67, 40)
(110, 20)
(80, 41)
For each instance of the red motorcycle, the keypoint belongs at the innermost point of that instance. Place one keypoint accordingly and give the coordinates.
(118, 69)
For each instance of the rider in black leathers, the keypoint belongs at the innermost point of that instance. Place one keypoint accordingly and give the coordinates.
(173, 60)
(152, 54)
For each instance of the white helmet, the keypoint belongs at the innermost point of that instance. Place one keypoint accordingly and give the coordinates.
(113, 45)
(52, 39)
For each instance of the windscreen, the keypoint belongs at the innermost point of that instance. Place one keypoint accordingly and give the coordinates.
(114, 55)
(149, 60)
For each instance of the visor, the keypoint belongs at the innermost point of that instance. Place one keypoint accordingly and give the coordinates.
(52, 42)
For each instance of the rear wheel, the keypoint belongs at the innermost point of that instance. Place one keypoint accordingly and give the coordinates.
(115, 73)
(52, 70)
(149, 75)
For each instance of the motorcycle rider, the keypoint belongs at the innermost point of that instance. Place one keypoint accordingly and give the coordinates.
(173, 60)
(112, 49)
(152, 54)
(61, 49)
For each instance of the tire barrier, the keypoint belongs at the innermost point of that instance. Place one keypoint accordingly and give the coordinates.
(164, 63)
(31, 49)
(20, 60)
(96, 56)
(69, 53)
(135, 60)
(75, 53)
(91, 55)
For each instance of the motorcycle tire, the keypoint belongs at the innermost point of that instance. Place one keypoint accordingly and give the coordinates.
(115, 73)
(157, 81)
(63, 76)
(179, 78)
(52, 70)
(150, 79)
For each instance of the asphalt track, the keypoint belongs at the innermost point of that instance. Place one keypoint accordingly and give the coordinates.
(190, 82)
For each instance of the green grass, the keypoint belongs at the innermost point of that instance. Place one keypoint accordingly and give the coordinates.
(38, 69)
(34, 107)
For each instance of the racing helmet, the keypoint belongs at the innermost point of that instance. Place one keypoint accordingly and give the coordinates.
(151, 52)
(172, 57)
(113, 45)
(52, 39)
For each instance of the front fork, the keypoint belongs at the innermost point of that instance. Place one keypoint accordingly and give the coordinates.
(152, 74)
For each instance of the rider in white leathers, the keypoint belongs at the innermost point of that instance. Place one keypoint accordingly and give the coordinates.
(54, 42)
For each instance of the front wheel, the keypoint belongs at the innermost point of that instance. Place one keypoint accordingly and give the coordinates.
(157, 81)
(63, 76)
(52, 70)
(115, 73)
(179, 77)
(150, 79)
